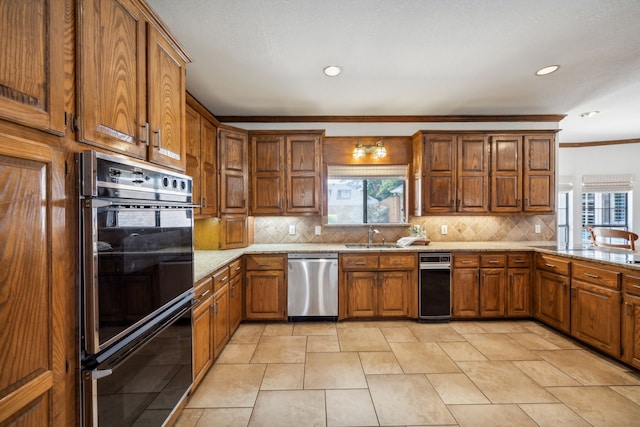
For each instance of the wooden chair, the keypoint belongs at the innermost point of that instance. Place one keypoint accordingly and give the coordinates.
(607, 233)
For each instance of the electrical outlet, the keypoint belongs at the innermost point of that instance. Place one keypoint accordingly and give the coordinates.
(292, 229)
(537, 228)
(443, 229)
(318, 230)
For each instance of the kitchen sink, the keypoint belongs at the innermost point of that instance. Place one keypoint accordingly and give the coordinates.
(372, 246)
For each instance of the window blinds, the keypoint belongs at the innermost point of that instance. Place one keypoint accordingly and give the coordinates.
(367, 171)
(607, 183)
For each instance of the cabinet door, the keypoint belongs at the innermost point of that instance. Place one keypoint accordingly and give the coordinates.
(235, 303)
(439, 173)
(595, 316)
(506, 173)
(233, 157)
(362, 293)
(233, 233)
(267, 174)
(492, 292)
(193, 154)
(220, 320)
(465, 292)
(631, 330)
(552, 304)
(209, 169)
(473, 174)
(393, 294)
(265, 295)
(303, 174)
(539, 173)
(32, 41)
(518, 292)
(111, 76)
(202, 339)
(166, 92)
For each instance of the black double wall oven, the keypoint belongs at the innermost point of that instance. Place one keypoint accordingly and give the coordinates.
(136, 228)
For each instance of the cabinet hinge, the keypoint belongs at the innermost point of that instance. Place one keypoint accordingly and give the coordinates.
(75, 127)
(66, 167)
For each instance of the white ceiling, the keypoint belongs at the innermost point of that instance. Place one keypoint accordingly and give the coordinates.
(416, 57)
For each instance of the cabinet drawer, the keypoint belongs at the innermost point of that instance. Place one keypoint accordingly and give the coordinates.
(398, 261)
(519, 260)
(596, 275)
(203, 290)
(235, 267)
(466, 261)
(553, 263)
(264, 262)
(631, 283)
(220, 278)
(359, 261)
(493, 260)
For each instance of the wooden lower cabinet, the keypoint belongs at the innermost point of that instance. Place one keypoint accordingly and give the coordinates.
(377, 285)
(631, 319)
(492, 292)
(235, 295)
(202, 318)
(220, 319)
(552, 302)
(519, 285)
(465, 299)
(265, 287)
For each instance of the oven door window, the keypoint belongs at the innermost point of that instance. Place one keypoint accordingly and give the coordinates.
(144, 262)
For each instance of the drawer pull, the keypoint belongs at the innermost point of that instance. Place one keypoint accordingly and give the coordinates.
(636, 286)
(466, 262)
(238, 268)
(266, 264)
(520, 261)
(224, 279)
(360, 263)
(593, 276)
(549, 265)
(493, 261)
(202, 295)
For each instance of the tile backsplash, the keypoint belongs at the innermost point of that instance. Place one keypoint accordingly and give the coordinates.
(459, 228)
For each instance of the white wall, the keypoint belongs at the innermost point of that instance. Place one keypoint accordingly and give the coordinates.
(600, 160)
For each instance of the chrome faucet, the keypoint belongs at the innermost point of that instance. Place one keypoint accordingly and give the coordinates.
(372, 231)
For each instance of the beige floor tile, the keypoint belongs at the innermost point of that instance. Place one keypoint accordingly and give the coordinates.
(322, 344)
(285, 376)
(554, 337)
(277, 329)
(227, 417)
(460, 351)
(533, 341)
(457, 389)
(490, 416)
(189, 417)
(466, 327)
(500, 347)
(407, 400)
(423, 358)
(289, 409)
(247, 333)
(600, 406)
(502, 327)
(401, 334)
(379, 362)
(589, 369)
(432, 332)
(502, 382)
(349, 324)
(545, 374)
(320, 328)
(631, 392)
(280, 349)
(236, 353)
(362, 339)
(228, 386)
(333, 371)
(350, 408)
(553, 415)
(388, 323)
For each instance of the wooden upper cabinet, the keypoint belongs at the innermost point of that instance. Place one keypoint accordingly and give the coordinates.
(234, 161)
(32, 41)
(439, 176)
(192, 141)
(539, 173)
(131, 83)
(473, 173)
(267, 174)
(303, 174)
(285, 173)
(506, 173)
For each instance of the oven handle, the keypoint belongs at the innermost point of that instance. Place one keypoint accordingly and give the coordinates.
(94, 203)
(442, 266)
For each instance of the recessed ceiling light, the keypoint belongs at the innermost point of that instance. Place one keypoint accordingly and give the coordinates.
(589, 114)
(547, 70)
(332, 70)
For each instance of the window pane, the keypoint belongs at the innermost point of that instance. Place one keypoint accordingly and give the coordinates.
(385, 201)
(345, 201)
(605, 209)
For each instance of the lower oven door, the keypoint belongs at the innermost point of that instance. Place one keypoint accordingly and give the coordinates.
(141, 382)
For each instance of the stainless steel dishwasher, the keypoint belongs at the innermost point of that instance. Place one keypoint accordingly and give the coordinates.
(312, 287)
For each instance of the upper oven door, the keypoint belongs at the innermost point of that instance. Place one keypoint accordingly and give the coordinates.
(137, 260)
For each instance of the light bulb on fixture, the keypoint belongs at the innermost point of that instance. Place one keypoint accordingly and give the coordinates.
(359, 151)
(380, 151)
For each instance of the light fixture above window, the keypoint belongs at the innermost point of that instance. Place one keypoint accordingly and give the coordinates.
(547, 70)
(378, 150)
(332, 70)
